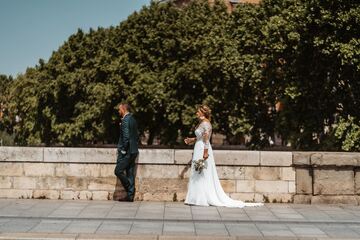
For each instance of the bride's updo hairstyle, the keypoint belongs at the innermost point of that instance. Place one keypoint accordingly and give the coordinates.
(206, 111)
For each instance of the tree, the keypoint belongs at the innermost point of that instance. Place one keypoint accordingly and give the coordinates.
(348, 132)
(312, 63)
(165, 60)
(5, 83)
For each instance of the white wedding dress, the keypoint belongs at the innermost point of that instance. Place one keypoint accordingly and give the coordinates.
(205, 189)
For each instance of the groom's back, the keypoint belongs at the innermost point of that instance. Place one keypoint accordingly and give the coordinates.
(134, 135)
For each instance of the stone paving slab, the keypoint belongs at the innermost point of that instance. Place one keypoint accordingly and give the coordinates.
(59, 219)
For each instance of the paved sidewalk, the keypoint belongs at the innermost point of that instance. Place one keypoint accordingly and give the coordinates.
(52, 219)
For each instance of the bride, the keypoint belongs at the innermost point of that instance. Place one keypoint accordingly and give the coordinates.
(204, 189)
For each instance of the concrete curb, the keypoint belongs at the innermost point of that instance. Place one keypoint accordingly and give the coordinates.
(65, 236)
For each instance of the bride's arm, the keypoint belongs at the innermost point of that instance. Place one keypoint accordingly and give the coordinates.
(206, 146)
(206, 139)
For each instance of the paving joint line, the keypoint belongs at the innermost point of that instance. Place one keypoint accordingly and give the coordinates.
(132, 224)
(102, 222)
(61, 204)
(227, 230)
(180, 220)
(192, 220)
(164, 209)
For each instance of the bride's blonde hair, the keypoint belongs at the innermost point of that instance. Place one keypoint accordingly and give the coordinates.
(205, 110)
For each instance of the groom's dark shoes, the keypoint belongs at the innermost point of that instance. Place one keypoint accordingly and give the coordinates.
(129, 198)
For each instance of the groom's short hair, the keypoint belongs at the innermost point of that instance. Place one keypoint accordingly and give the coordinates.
(126, 106)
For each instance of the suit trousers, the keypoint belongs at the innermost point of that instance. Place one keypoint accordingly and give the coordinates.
(125, 171)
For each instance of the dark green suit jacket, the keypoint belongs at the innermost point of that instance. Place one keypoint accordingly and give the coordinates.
(129, 136)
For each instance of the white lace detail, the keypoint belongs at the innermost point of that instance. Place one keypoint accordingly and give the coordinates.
(203, 133)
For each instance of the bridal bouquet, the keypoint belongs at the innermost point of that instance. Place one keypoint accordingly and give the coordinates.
(199, 165)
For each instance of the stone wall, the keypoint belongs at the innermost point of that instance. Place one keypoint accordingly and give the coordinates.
(327, 177)
(162, 174)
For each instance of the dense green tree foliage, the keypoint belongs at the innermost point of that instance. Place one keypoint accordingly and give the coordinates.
(6, 134)
(165, 60)
(5, 84)
(318, 76)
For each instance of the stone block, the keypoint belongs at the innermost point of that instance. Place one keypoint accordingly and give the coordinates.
(287, 173)
(21, 154)
(345, 199)
(16, 193)
(39, 169)
(249, 173)
(161, 196)
(6, 182)
(24, 183)
(334, 182)
(76, 183)
(335, 159)
(51, 183)
(239, 172)
(225, 172)
(292, 187)
(154, 156)
(102, 184)
(301, 158)
(46, 194)
(259, 197)
(275, 158)
(263, 173)
(77, 170)
(91, 170)
(357, 181)
(107, 170)
(180, 196)
(85, 195)
(11, 169)
(245, 197)
(69, 195)
(157, 171)
(83, 155)
(231, 172)
(303, 181)
(228, 185)
(101, 195)
(245, 186)
(236, 157)
(184, 171)
(156, 185)
(278, 197)
(302, 199)
(264, 186)
(183, 156)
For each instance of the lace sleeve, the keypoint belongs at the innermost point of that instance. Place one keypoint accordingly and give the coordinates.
(206, 133)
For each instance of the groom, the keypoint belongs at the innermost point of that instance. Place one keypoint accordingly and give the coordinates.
(127, 151)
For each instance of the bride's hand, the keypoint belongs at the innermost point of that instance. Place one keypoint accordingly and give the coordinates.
(187, 141)
(205, 156)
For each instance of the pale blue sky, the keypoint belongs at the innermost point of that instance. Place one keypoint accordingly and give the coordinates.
(33, 29)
